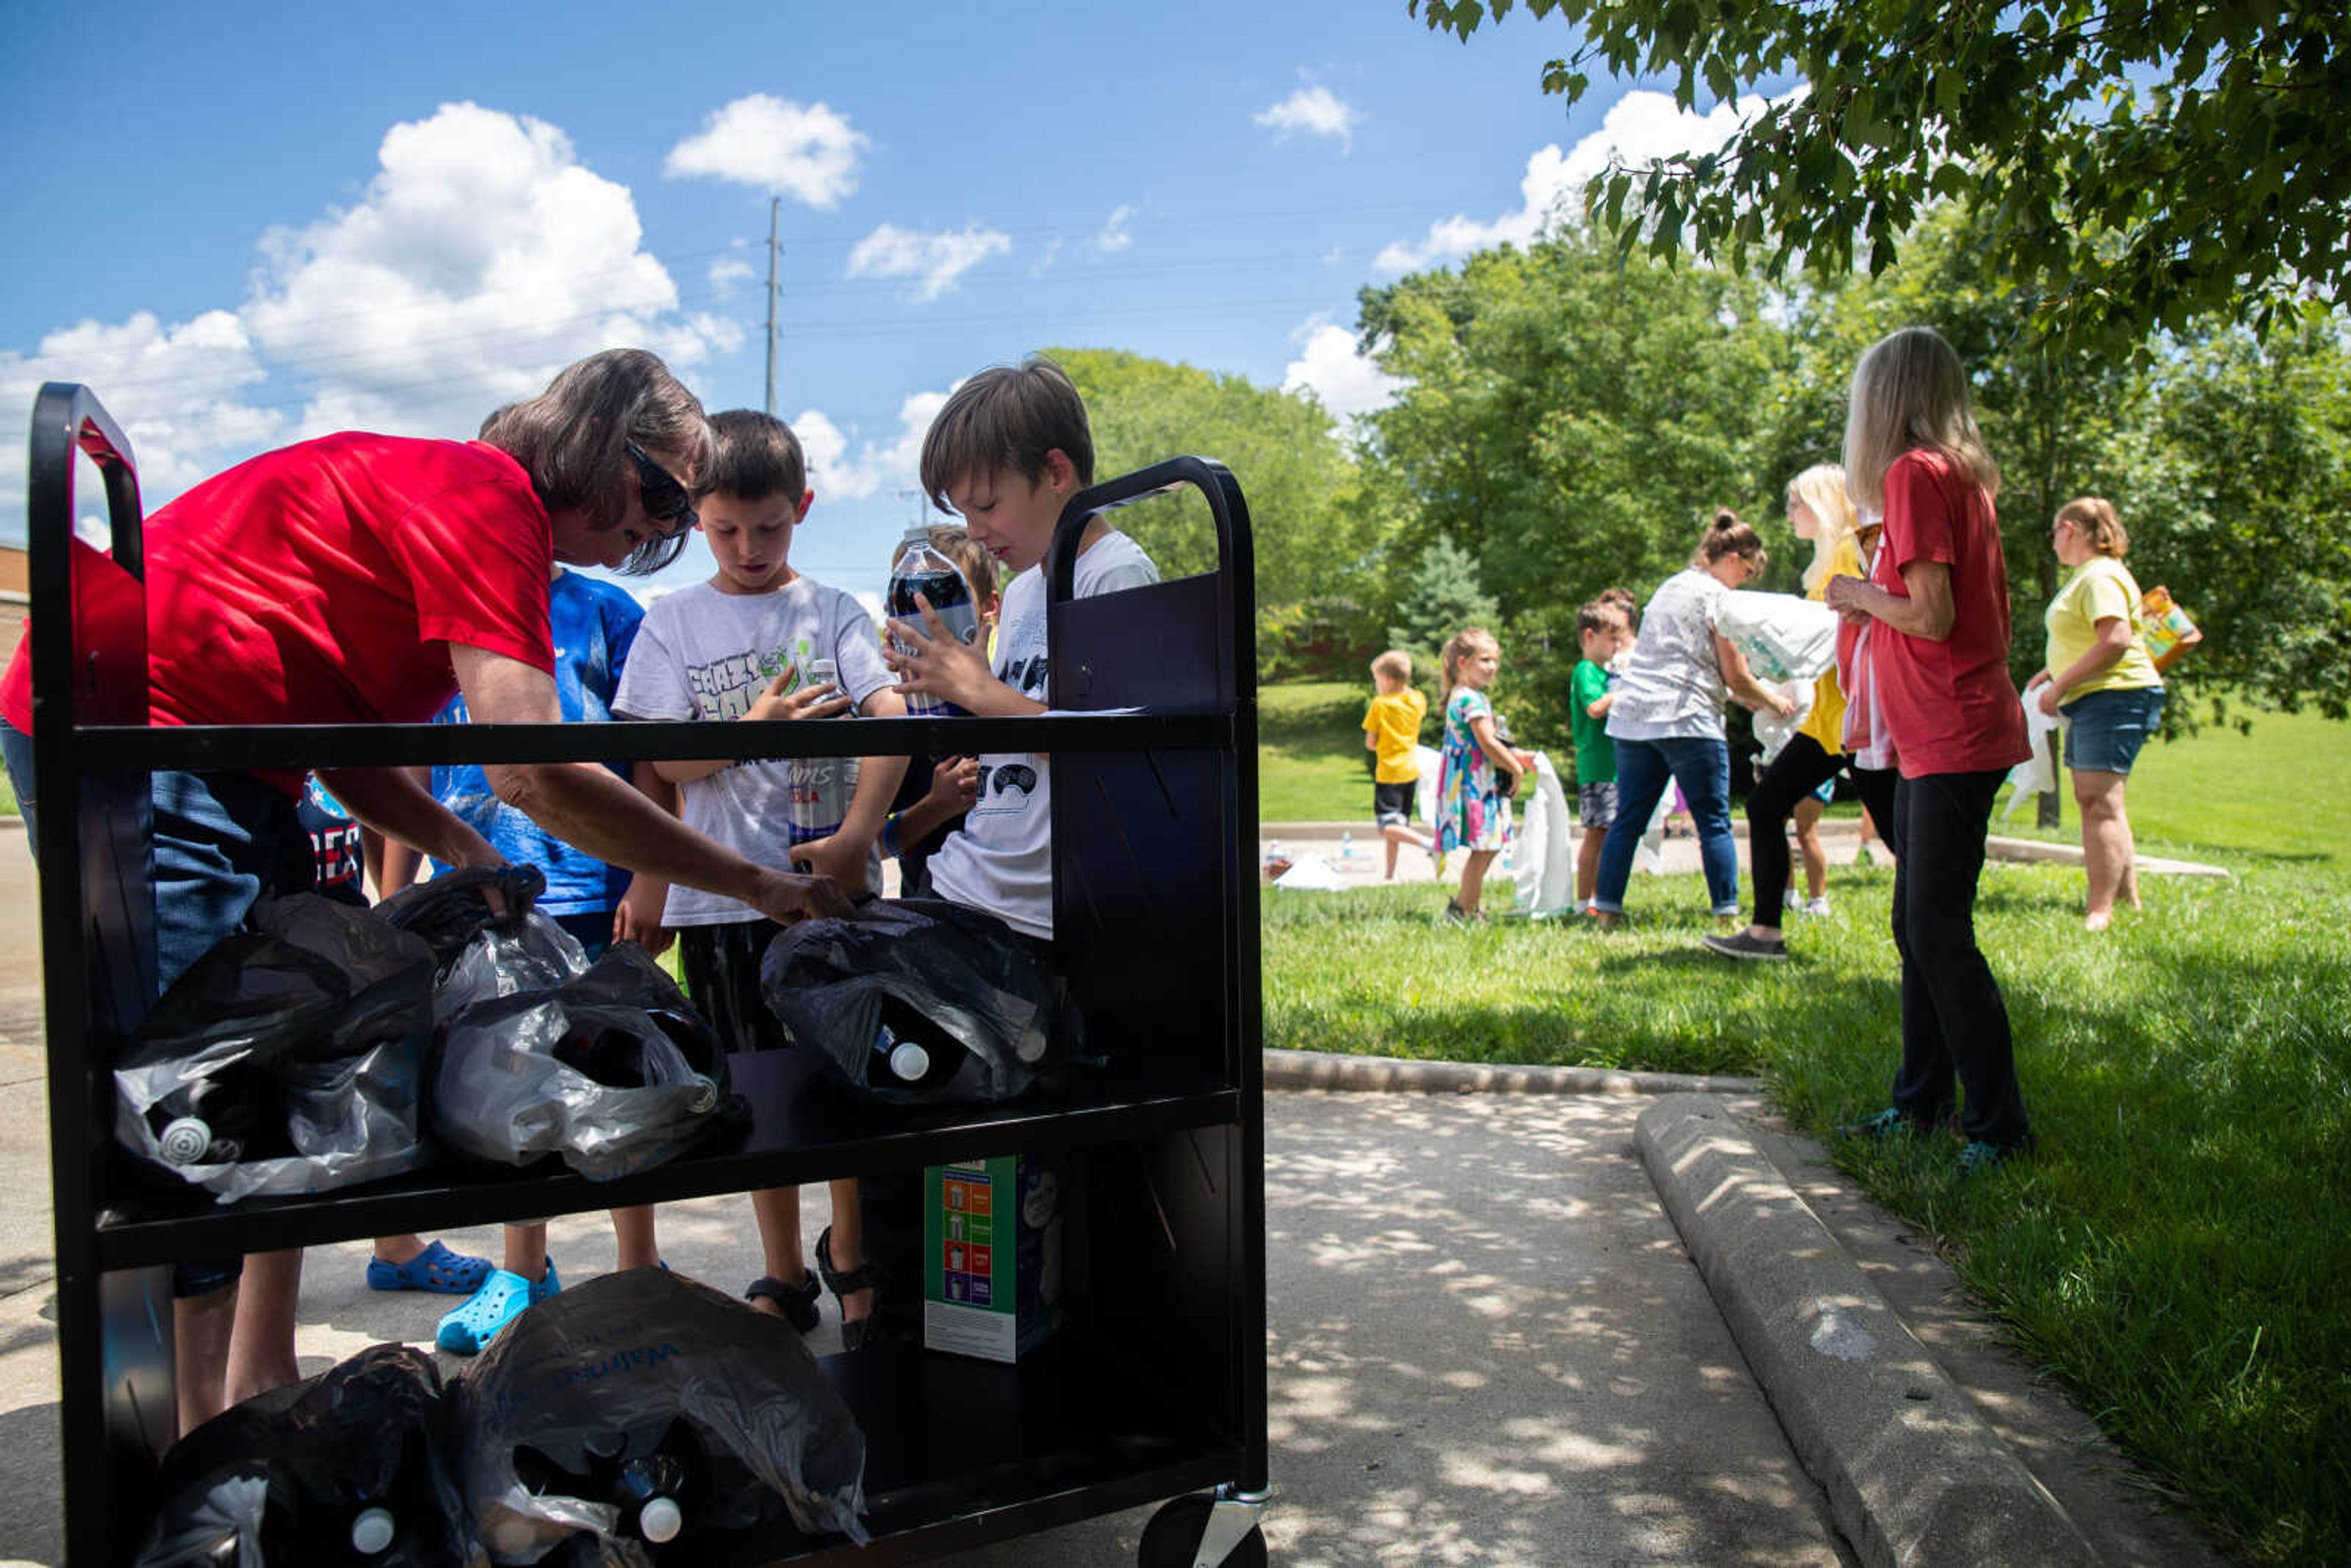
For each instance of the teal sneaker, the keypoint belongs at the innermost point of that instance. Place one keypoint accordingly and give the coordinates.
(1890, 1123)
(1981, 1156)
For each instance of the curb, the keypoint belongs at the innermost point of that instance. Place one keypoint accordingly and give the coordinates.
(2041, 852)
(1913, 1474)
(1390, 1075)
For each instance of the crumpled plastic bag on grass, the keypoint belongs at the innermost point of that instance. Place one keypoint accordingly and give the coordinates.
(287, 1060)
(291, 1477)
(599, 1375)
(612, 1070)
(1784, 637)
(945, 978)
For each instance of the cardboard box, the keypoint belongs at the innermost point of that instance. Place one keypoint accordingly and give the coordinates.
(992, 1256)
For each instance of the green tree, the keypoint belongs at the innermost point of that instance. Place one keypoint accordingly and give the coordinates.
(1314, 540)
(1444, 597)
(1570, 420)
(2142, 164)
(2235, 483)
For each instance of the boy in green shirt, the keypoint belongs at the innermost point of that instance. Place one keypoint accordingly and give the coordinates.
(1603, 631)
(1390, 731)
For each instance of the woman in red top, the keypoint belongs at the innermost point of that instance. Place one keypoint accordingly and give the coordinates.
(363, 578)
(1936, 701)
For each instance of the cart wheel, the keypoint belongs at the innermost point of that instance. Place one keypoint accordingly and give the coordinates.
(1172, 1538)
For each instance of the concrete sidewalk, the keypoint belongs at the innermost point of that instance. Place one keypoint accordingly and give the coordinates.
(1490, 1339)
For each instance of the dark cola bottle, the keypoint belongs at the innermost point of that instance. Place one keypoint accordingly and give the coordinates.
(922, 568)
(656, 1491)
(612, 1057)
(234, 1114)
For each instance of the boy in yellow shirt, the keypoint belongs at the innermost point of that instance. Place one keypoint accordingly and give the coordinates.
(1390, 731)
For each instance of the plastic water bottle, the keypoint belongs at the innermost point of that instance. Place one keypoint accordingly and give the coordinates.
(820, 786)
(1346, 845)
(1272, 856)
(922, 569)
(909, 1063)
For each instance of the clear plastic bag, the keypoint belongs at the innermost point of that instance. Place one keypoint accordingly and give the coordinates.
(612, 1070)
(353, 1465)
(287, 1060)
(612, 1372)
(1784, 637)
(485, 952)
(953, 982)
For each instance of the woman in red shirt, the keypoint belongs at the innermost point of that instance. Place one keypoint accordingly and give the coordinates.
(364, 578)
(1936, 701)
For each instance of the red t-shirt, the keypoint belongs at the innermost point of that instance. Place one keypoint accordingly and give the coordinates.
(1948, 707)
(320, 584)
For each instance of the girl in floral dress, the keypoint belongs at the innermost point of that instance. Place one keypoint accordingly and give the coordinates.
(1476, 773)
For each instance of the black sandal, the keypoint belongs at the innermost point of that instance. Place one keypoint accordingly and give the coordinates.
(798, 1301)
(843, 1284)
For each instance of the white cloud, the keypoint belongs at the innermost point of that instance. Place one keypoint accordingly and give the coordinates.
(938, 259)
(1639, 129)
(729, 271)
(482, 258)
(1115, 235)
(175, 390)
(837, 473)
(806, 153)
(1315, 112)
(1046, 257)
(1348, 383)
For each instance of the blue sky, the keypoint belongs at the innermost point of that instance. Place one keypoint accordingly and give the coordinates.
(316, 218)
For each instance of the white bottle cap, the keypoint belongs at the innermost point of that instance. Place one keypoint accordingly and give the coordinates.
(909, 1061)
(371, 1531)
(185, 1141)
(660, 1521)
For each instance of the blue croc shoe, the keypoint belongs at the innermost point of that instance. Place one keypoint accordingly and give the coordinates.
(468, 1330)
(435, 1268)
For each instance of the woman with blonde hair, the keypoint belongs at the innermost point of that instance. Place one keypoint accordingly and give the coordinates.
(1819, 510)
(1925, 650)
(2100, 678)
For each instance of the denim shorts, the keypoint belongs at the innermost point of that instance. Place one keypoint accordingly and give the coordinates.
(2106, 728)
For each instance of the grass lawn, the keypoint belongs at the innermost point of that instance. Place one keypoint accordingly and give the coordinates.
(2175, 1255)
(1312, 765)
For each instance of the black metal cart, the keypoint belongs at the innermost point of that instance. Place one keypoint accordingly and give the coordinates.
(1153, 1389)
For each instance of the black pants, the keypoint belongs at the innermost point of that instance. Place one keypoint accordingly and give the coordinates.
(1801, 767)
(1954, 1022)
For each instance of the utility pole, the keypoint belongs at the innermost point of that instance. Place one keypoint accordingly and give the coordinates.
(775, 213)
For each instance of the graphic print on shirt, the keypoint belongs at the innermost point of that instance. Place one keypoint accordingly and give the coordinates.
(728, 688)
(1007, 781)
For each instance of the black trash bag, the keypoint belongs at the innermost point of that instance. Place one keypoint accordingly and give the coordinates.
(613, 1069)
(644, 1386)
(287, 1060)
(481, 954)
(985, 1015)
(353, 1466)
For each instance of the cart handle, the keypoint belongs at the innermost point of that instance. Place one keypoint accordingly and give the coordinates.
(1216, 487)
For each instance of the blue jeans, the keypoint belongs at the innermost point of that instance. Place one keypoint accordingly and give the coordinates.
(1702, 766)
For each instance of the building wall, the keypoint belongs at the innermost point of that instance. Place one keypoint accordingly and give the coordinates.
(14, 579)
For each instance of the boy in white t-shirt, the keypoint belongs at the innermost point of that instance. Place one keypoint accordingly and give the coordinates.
(740, 646)
(1008, 449)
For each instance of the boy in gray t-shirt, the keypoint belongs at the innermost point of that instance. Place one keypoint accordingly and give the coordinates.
(740, 646)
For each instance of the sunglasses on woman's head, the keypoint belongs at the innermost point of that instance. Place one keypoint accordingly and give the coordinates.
(666, 500)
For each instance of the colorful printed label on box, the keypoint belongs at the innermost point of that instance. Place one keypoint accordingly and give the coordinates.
(991, 1235)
